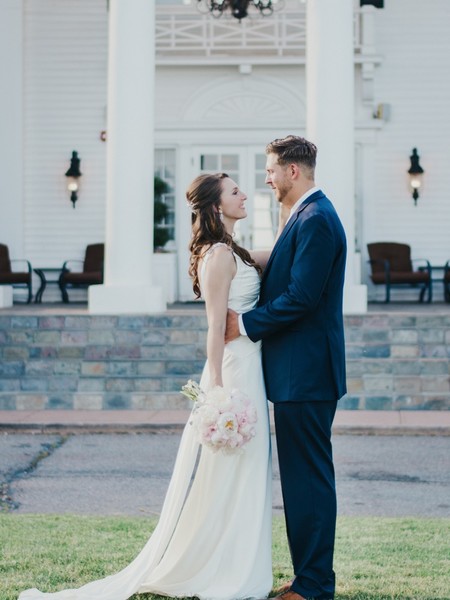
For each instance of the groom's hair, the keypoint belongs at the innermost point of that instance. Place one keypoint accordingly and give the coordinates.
(294, 149)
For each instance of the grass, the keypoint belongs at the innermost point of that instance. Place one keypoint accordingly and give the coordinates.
(376, 558)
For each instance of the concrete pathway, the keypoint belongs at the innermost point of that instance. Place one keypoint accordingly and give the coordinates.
(128, 473)
(393, 463)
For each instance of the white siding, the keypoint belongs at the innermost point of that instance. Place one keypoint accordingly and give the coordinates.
(413, 37)
(11, 127)
(65, 100)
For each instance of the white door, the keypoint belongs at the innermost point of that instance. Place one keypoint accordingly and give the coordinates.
(246, 165)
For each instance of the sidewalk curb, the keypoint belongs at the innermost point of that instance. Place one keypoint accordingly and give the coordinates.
(349, 422)
(166, 428)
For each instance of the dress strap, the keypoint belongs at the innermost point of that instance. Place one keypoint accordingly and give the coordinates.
(211, 249)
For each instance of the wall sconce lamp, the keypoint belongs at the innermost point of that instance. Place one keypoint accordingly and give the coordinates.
(376, 3)
(73, 174)
(415, 175)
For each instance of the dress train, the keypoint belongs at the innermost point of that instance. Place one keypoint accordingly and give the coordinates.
(213, 538)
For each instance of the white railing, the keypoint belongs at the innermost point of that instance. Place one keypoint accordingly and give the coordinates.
(188, 35)
(183, 35)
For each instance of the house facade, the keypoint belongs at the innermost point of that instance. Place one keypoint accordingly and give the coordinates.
(222, 89)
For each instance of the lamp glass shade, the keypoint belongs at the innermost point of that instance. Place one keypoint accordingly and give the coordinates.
(415, 185)
(72, 185)
(415, 181)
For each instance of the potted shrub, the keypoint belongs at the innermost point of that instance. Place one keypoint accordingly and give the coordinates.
(160, 234)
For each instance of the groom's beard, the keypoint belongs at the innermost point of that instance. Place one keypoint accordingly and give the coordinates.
(283, 188)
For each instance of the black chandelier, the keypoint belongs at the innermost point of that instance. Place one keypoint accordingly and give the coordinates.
(238, 8)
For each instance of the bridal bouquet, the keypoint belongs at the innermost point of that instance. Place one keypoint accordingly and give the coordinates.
(223, 421)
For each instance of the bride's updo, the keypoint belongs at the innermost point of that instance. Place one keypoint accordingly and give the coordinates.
(203, 197)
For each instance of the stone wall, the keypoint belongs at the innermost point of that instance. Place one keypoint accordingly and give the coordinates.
(99, 362)
(398, 361)
(394, 360)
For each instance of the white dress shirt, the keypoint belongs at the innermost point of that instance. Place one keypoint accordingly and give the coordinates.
(306, 195)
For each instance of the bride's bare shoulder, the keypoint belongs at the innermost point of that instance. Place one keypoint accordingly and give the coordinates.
(218, 261)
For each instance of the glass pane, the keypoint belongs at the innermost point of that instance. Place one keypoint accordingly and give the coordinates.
(263, 221)
(230, 162)
(260, 162)
(209, 162)
(260, 180)
(262, 202)
(169, 199)
(165, 159)
(169, 173)
(170, 219)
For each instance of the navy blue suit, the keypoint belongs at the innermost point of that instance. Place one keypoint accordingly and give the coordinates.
(299, 320)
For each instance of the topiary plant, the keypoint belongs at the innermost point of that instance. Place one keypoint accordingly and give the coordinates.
(160, 210)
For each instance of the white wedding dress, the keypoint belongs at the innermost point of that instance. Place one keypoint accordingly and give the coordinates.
(213, 538)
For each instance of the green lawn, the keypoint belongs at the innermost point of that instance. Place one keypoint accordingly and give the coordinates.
(376, 558)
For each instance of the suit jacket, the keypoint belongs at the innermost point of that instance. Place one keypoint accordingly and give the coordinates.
(299, 315)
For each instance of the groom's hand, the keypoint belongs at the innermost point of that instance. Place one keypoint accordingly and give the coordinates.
(232, 327)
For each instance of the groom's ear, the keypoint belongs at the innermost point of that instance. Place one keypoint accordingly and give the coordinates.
(293, 170)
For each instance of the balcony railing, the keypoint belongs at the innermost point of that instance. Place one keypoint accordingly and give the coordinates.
(185, 36)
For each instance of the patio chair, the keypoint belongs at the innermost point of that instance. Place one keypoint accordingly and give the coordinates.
(391, 265)
(17, 279)
(92, 273)
(447, 281)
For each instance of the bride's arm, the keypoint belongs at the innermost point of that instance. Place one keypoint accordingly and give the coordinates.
(261, 257)
(218, 273)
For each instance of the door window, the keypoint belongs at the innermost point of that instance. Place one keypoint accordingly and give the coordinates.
(265, 209)
(247, 167)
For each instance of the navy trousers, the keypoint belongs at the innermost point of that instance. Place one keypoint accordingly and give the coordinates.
(303, 433)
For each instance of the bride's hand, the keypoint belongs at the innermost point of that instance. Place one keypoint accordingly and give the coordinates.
(232, 327)
(215, 384)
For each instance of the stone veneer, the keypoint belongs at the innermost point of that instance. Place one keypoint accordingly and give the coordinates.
(394, 360)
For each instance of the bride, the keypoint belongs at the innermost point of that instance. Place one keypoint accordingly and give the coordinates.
(213, 538)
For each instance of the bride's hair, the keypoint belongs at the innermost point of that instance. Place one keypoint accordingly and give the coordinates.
(203, 197)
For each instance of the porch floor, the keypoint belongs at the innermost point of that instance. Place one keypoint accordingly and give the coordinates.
(81, 308)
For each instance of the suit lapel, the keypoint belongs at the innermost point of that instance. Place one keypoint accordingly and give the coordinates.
(289, 226)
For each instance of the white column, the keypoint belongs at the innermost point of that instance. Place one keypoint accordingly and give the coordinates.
(186, 173)
(6, 296)
(11, 126)
(128, 284)
(330, 121)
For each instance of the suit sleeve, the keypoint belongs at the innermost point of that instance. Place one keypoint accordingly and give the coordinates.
(313, 260)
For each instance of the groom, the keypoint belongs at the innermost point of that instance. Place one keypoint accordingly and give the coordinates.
(299, 320)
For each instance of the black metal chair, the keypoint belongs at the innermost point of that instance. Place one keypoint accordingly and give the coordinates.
(17, 279)
(392, 265)
(447, 281)
(92, 273)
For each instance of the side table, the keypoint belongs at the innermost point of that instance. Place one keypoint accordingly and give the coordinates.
(41, 273)
(438, 275)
